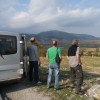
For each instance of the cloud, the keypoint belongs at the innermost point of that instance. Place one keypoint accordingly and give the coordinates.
(43, 15)
(7, 3)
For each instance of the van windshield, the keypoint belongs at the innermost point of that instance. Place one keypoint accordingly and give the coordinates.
(8, 45)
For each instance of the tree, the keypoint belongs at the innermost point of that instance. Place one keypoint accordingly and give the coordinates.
(64, 52)
(97, 49)
(82, 50)
(41, 49)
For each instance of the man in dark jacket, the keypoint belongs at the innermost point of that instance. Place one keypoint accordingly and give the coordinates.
(75, 66)
(32, 52)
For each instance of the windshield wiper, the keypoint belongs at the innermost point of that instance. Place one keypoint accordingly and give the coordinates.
(2, 56)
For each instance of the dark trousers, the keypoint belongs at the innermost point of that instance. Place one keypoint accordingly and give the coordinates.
(33, 64)
(77, 74)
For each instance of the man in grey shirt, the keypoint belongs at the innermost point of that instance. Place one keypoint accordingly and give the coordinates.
(32, 52)
(75, 66)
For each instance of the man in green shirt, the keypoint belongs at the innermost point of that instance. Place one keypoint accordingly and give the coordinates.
(53, 65)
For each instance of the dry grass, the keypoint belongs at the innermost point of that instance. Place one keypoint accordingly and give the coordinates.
(89, 64)
(91, 68)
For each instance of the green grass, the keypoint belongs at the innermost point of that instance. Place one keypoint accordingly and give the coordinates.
(90, 64)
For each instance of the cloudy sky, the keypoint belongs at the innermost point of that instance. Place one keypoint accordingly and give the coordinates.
(34, 16)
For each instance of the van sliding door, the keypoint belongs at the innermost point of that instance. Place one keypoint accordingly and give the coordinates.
(24, 54)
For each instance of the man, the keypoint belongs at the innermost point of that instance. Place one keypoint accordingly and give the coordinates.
(53, 65)
(75, 66)
(34, 60)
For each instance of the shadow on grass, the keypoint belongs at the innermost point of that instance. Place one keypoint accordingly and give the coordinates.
(64, 89)
(65, 75)
(90, 75)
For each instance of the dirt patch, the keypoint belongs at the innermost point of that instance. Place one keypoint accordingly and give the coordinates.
(20, 91)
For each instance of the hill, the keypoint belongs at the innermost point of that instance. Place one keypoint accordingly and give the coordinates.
(60, 36)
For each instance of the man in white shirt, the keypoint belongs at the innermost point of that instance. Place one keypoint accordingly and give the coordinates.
(75, 66)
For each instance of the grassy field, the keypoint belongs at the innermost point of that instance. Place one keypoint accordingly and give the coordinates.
(91, 69)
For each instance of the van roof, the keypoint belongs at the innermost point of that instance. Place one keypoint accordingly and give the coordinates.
(9, 33)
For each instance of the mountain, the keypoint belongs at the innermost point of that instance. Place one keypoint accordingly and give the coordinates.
(86, 37)
(60, 36)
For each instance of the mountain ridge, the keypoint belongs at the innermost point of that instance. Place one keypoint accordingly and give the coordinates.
(60, 36)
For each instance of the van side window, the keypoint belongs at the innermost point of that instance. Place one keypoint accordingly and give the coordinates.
(8, 45)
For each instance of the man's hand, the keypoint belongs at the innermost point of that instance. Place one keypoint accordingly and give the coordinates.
(80, 63)
(79, 59)
(39, 63)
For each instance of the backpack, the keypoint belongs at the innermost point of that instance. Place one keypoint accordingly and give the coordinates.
(57, 59)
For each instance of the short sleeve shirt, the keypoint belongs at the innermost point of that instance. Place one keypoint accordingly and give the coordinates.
(32, 52)
(51, 53)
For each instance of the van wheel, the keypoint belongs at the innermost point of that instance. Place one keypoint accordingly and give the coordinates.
(24, 75)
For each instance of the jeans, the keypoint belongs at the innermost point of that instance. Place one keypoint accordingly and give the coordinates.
(33, 64)
(53, 68)
(77, 73)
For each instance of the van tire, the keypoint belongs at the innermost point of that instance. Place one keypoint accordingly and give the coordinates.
(24, 75)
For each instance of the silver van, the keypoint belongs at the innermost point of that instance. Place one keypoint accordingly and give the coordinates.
(12, 56)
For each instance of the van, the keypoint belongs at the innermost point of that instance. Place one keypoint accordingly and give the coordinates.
(12, 56)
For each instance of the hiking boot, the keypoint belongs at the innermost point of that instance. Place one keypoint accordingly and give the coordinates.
(55, 88)
(72, 85)
(80, 93)
(38, 83)
(48, 87)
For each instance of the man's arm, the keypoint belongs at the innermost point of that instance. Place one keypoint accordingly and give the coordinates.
(36, 53)
(60, 58)
(78, 56)
(79, 59)
(60, 54)
(46, 57)
(38, 60)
